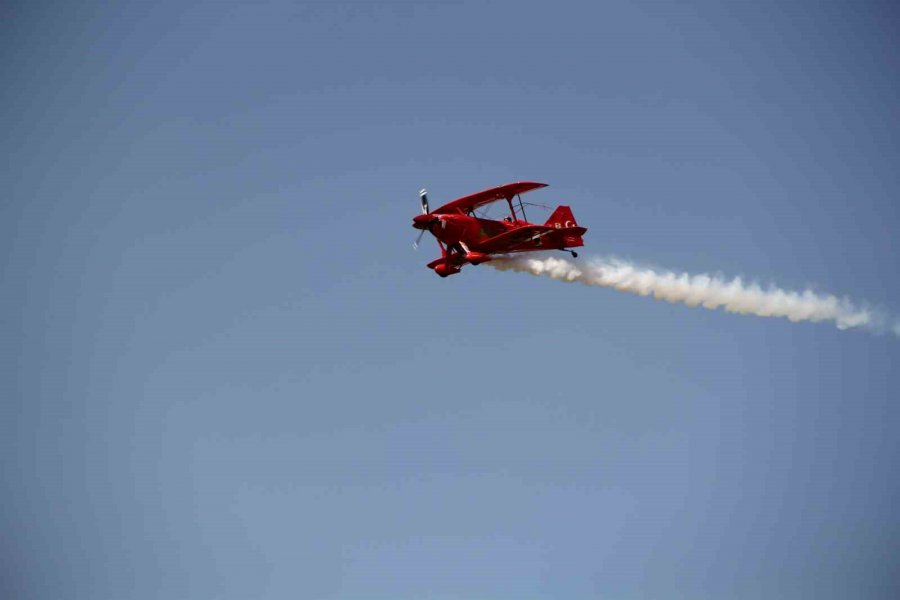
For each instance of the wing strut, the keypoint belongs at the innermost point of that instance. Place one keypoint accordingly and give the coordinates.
(522, 207)
(512, 209)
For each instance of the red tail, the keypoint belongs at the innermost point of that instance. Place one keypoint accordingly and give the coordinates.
(561, 218)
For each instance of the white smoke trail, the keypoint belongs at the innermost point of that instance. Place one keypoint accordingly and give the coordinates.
(702, 290)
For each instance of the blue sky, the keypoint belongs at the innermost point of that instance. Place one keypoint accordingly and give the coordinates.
(229, 376)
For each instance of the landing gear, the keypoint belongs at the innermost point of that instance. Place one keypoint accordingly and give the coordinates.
(572, 252)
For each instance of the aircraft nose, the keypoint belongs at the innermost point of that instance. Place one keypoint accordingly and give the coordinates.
(421, 221)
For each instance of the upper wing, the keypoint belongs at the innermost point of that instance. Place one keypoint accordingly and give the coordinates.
(503, 192)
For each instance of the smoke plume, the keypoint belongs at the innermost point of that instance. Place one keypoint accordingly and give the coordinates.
(707, 291)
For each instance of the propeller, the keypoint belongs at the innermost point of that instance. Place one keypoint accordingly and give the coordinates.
(423, 197)
(418, 239)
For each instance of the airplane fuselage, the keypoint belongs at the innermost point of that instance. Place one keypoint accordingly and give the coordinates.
(453, 229)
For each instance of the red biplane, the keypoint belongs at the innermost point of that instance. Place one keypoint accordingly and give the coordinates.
(465, 236)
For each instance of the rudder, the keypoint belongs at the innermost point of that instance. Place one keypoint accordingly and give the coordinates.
(561, 218)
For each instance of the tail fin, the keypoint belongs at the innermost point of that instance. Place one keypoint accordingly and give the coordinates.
(561, 218)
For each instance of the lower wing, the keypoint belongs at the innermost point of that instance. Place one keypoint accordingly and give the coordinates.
(533, 237)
